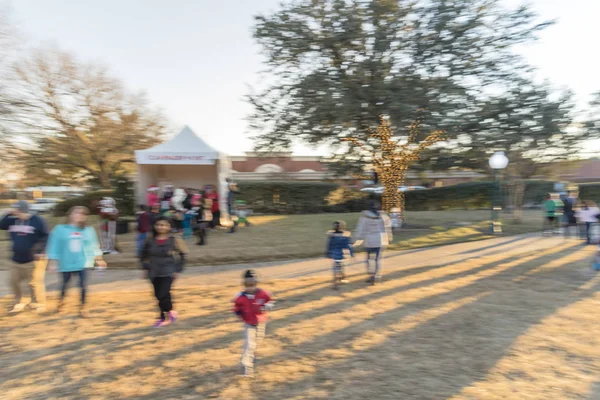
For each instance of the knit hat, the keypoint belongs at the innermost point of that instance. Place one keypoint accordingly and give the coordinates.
(22, 206)
(250, 275)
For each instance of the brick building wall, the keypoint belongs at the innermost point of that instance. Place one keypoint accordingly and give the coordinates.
(285, 166)
(288, 163)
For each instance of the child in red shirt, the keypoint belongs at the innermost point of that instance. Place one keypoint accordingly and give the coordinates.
(251, 306)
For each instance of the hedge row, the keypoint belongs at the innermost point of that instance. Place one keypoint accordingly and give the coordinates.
(590, 191)
(311, 197)
(286, 197)
(315, 197)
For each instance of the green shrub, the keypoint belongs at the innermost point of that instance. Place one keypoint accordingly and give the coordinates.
(315, 197)
(536, 191)
(124, 195)
(89, 200)
(286, 197)
(344, 200)
(590, 191)
(463, 196)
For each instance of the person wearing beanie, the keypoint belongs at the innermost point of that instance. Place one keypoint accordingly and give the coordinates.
(251, 306)
(28, 234)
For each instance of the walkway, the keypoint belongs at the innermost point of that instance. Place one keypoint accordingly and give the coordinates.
(131, 280)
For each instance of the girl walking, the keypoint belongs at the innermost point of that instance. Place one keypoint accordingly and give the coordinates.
(161, 267)
(73, 248)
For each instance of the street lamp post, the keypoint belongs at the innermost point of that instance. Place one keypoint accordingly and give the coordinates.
(498, 161)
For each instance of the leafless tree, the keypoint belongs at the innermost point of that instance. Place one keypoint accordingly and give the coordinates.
(71, 118)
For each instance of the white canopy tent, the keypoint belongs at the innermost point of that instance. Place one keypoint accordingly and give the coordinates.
(184, 161)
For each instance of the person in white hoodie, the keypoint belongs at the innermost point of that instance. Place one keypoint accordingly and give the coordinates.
(587, 216)
(375, 232)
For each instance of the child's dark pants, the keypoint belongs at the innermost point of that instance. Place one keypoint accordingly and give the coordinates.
(162, 291)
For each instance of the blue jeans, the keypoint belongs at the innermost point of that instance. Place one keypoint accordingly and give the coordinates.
(141, 239)
(376, 251)
(82, 283)
(588, 232)
(338, 268)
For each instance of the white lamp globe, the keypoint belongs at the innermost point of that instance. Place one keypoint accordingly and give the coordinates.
(498, 160)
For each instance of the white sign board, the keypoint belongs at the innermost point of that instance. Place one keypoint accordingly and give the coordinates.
(174, 158)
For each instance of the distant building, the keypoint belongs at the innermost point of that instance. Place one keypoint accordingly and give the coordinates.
(580, 171)
(283, 166)
(286, 166)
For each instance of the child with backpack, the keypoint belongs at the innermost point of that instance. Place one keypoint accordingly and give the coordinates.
(251, 307)
(338, 240)
(161, 267)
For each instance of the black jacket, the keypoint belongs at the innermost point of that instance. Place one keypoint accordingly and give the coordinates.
(159, 259)
(187, 202)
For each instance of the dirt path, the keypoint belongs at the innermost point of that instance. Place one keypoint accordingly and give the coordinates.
(509, 318)
(127, 279)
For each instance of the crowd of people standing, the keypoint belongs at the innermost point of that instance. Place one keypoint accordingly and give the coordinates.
(577, 218)
(198, 211)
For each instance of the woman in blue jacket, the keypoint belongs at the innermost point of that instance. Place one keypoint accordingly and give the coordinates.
(74, 247)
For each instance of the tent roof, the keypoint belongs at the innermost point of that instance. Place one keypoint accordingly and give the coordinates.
(185, 144)
(185, 141)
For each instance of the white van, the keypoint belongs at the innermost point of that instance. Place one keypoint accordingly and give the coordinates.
(43, 205)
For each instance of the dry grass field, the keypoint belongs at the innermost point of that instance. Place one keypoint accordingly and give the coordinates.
(282, 237)
(501, 326)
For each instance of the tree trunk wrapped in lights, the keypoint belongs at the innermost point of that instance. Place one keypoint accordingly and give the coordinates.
(391, 158)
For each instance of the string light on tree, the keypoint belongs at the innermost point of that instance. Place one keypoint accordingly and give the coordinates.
(391, 159)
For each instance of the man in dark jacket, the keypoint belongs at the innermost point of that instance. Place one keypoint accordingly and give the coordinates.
(144, 226)
(28, 234)
(187, 201)
(232, 190)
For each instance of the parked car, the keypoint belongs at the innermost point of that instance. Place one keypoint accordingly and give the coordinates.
(43, 205)
(372, 189)
(379, 190)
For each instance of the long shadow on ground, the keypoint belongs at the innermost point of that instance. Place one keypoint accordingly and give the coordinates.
(131, 337)
(318, 344)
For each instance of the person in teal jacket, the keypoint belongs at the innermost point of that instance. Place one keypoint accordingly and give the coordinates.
(72, 249)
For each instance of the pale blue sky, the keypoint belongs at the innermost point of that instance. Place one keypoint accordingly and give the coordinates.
(194, 58)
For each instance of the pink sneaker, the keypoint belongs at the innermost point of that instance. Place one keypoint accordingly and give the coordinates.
(173, 316)
(160, 323)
